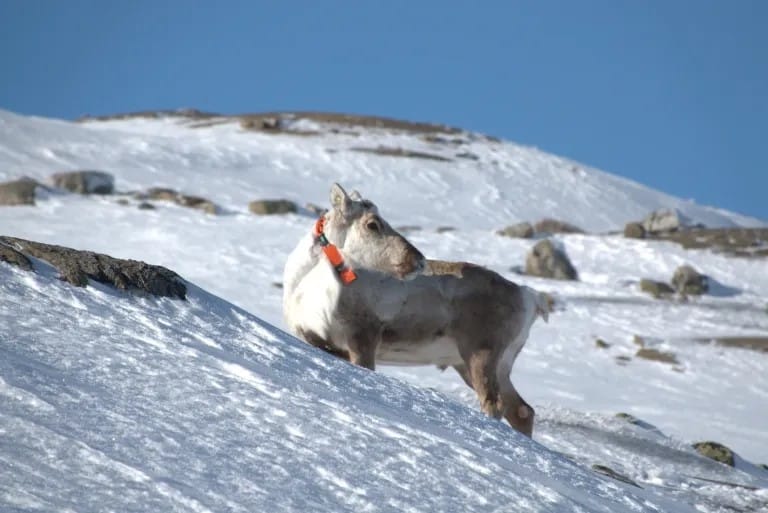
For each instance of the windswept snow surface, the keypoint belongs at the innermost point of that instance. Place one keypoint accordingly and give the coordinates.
(90, 372)
(109, 401)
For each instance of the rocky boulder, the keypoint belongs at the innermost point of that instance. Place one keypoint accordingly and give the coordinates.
(272, 206)
(715, 451)
(184, 200)
(689, 281)
(85, 182)
(657, 289)
(77, 267)
(634, 231)
(665, 220)
(18, 192)
(518, 231)
(549, 261)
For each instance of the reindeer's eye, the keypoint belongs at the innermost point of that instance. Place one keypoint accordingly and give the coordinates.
(373, 225)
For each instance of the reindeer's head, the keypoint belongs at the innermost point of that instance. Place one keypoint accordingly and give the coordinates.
(354, 225)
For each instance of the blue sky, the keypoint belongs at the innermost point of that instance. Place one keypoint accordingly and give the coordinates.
(671, 93)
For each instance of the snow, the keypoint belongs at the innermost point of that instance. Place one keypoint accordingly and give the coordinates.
(154, 404)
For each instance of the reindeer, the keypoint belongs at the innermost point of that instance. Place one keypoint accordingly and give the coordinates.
(357, 289)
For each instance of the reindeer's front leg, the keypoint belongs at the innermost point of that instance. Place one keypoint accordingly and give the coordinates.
(362, 349)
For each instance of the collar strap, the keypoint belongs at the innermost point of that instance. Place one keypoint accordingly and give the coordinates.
(333, 255)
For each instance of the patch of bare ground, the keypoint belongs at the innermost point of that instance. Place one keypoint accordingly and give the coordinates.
(279, 122)
(754, 343)
(741, 242)
(391, 151)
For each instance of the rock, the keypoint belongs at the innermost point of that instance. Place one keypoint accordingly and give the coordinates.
(689, 281)
(665, 220)
(407, 228)
(627, 417)
(555, 226)
(144, 205)
(159, 194)
(18, 192)
(763, 466)
(14, 257)
(609, 472)
(271, 207)
(715, 451)
(657, 289)
(655, 355)
(522, 230)
(634, 231)
(445, 229)
(184, 200)
(601, 344)
(77, 267)
(196, 202)
(85, 182)
(547, 261)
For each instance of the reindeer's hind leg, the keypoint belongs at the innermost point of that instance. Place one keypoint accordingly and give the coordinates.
(518, 413)
(481, 367)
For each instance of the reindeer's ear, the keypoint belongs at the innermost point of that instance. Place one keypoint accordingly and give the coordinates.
(356, 196)
(339, 197)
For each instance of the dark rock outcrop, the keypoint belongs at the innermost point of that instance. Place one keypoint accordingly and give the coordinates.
(77, 267)
(689, 281)
(11, 256)
(272, 207)
(634, 231)
(548, 261)
(85, 182)
(715, 451)
(184, 200)
(657, 289)
(18, 192)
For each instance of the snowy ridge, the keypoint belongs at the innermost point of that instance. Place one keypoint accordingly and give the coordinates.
(501, 183)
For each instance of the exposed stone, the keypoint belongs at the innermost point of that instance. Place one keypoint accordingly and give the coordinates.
(689, 281)
(548, 225)
(159, 194)
(657, 289)
(85, 182)
(609, 472)
(601, 344)
(655, 355)
(406, 228)
(14, 257)
(144, 205)
(196, 202)
(184, 200)
(272, 207)
(627, 417)
(548, 261)
(715, 451)
(77, 267)
(665, 220)
(445, 229)
(634, 231)
(401, 152)
(18, 192)
(522, 230)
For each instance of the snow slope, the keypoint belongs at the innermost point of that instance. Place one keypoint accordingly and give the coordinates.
(712, 393)
(112, 401)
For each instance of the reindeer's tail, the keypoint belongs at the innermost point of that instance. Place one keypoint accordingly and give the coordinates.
(543, 303)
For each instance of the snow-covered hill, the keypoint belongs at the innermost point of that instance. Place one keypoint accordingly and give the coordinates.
(162, 403)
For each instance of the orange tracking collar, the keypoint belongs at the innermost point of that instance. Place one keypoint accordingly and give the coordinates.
(333, 255)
